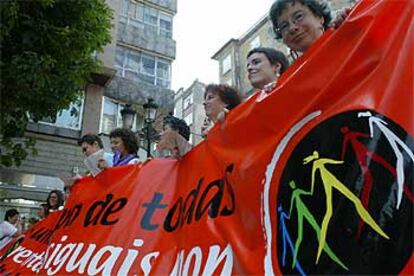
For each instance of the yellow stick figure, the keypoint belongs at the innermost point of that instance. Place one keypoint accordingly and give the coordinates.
(330, 181)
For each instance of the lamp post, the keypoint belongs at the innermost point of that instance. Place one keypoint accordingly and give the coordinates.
(128, 114)
(150, 110)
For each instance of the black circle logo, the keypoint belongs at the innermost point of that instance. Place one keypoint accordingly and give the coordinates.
(345, 200)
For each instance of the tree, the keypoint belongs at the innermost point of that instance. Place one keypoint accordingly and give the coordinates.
(47, 58)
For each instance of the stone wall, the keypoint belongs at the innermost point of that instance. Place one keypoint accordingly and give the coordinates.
(54, 158)
(138, 92)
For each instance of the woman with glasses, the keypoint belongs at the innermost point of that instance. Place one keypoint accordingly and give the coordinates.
(302, 22)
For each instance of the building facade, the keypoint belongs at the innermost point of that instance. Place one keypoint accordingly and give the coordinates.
(232, 55)
(189, 107)
(136, 66)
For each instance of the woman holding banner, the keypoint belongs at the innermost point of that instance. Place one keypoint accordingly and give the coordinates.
(300, 23)
(175, 137)
(264, 67)
(218, 100)
(125, 147)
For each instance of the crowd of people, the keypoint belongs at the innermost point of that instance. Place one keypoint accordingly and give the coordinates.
(299, 23)
(14, 224)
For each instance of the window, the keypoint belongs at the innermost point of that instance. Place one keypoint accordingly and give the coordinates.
(143, 16)
(229, 82)
(188, 101)
(125, 7)
(165, 2)
(226, 64)
(165, 25)
(163, 74)
(119, 57)
(132, 63)
(147, 72)
(189, 119)
(135, 65)
(150, 15)
(70, 117)
(255, 42)
(148, 65)
(111, 116)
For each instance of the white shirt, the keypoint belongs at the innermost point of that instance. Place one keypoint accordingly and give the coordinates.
(7, 230)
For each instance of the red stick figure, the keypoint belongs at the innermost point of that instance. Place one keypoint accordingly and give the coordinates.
(364, 155)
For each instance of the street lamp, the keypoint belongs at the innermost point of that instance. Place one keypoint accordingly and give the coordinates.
(150, 110)
(147, 131)
(128, 115)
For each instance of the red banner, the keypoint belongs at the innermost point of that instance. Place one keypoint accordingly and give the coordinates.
(315, 177)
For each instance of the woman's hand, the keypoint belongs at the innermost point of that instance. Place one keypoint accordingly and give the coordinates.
(102, 164)
(222, 115)
(171, 140)
(205, 127)
(340, 17)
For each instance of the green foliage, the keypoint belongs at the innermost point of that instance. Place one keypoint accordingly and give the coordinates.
(46, 60)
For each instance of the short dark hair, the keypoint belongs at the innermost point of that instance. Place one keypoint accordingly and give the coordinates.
(227, 94)
(10, 213)
(45, 207)
(90, 139)
(318, 7)
(128, 138)
(61, 199)
(274, 57)
(178, 125)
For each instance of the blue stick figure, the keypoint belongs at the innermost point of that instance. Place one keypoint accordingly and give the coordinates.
(286, 239)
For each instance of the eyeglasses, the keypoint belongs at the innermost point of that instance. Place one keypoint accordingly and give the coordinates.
(297, 17)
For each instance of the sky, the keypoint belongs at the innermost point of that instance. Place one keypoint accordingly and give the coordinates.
(201, 28)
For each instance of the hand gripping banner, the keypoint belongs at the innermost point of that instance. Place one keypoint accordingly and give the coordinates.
(314, 178)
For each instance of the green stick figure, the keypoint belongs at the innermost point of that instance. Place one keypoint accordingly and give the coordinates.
(303, 212)
(330, 181)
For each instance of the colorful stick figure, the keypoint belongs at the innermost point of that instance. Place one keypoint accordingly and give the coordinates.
(362, 153)
(303, 212)
(396, 144)
(287, 240)
(329, 181)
